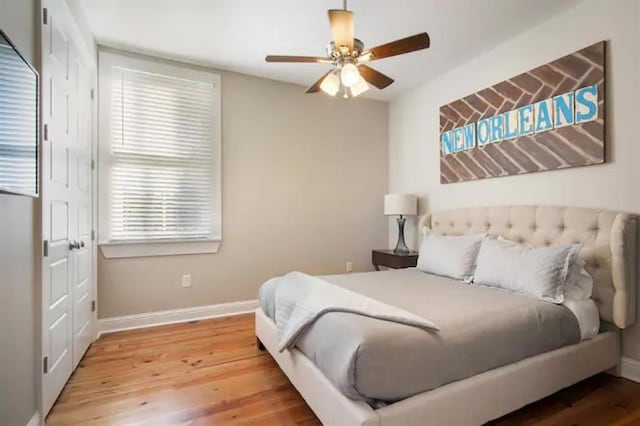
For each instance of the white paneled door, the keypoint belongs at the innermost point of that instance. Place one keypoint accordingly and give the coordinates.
(69, 320)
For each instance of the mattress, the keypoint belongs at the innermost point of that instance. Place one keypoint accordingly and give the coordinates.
(480, 329)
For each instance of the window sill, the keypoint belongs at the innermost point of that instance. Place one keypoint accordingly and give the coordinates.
(115, 250)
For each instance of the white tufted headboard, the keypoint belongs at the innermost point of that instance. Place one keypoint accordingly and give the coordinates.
(608, 239)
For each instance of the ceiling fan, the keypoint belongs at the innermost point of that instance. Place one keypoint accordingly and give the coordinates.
(347, 54)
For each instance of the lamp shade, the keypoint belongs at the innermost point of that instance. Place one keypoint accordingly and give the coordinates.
(400, 204)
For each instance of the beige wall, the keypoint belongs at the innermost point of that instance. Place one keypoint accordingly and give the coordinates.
(19, 332)
(414, 127)
(303, 180)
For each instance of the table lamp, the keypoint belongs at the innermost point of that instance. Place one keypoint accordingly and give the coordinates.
(400, 205)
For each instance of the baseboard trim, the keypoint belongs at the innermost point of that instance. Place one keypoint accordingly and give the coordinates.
(173, 316)
(630, 369)
(35, 420)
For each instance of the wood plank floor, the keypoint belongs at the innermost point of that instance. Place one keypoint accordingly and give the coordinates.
(210, 373)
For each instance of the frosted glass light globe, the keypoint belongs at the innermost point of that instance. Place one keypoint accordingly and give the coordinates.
(349, 75)
(330, 85)
(359, 88)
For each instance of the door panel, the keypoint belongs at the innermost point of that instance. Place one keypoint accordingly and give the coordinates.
(58, 45)
(60, 165)
(58, 327)
(57, 141)
(60, 340)
(84, 176)
(58, 279)
(83, 258)
(67, 203)
(59, 221)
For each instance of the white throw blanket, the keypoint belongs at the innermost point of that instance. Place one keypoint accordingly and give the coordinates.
(301, 299)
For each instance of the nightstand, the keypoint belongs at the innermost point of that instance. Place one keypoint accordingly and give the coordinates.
(393, 260)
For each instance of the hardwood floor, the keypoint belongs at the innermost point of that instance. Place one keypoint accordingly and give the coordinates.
(598, 401)
(201, 373)
(210, 373)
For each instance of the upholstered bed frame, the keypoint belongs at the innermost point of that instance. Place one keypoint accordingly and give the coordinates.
(609, 241)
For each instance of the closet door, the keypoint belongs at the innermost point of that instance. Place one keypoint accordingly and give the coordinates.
(67, 208)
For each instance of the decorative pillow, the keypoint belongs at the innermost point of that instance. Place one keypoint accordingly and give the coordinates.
(451, 256)
(579, 284)
(539, 272)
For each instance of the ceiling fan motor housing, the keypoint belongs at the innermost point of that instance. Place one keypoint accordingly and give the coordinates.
(340, 55)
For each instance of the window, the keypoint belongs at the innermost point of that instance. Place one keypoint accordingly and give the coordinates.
(159, 157)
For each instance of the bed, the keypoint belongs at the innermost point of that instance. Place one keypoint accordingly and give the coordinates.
(493, 387)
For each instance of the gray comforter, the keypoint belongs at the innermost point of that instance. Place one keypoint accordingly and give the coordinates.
(480, 329)
(301, 299)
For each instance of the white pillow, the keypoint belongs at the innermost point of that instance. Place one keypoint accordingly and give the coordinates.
(579, 284)
(453, 257)
(539, 272)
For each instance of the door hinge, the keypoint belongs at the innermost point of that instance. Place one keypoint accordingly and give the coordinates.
(45, 132)
(93, 164)
(93, 235)
(93, 306)
(45, 16)
(45, 248)
(45, 364)
(93, 93)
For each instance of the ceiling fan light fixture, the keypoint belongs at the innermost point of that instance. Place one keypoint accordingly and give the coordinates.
(330, 85)
(349, 75)
(359, 88)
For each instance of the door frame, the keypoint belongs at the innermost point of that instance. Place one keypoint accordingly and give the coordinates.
(90, 56)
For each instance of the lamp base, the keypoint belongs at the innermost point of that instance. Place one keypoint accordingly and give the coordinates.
(401, 246)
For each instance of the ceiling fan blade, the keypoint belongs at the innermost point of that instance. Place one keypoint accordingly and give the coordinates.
(304, 59)
(315, 87)
(341, 22)
(374, 77)
(398, 47)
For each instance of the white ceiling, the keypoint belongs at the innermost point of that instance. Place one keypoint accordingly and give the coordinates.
(236, 35)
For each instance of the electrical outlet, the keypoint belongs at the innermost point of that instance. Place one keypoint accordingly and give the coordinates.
(186, 281)
(349, 266)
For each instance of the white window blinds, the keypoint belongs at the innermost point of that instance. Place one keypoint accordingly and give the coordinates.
(164, 151)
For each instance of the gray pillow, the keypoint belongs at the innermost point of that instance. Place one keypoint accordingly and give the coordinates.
(449, 256)
(539, 272)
